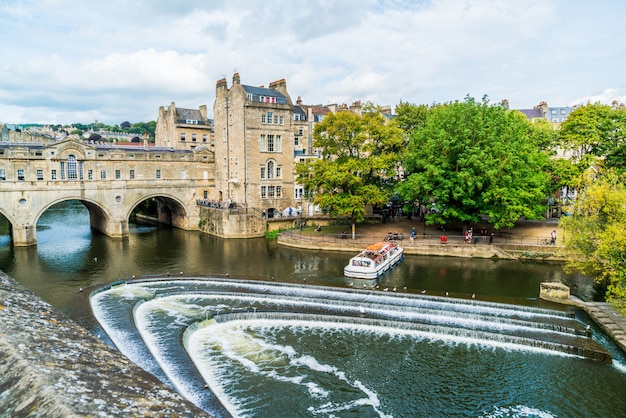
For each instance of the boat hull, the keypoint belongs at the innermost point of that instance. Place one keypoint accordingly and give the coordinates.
(364, 267)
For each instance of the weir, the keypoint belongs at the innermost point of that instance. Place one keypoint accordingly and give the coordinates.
(162, 310)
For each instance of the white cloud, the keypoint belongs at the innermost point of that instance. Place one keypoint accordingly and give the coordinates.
(116, 61)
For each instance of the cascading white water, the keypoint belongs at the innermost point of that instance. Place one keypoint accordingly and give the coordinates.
(264, 346)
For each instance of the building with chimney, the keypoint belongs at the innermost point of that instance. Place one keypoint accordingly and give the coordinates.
(181, 128)
(254, 146)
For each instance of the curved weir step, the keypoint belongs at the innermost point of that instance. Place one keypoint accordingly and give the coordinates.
(151, 322)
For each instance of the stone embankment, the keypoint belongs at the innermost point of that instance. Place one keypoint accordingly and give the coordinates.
(429, 245)
(52, 367)
(603, 314)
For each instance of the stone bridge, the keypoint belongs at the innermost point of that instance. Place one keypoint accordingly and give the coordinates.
(111, 181)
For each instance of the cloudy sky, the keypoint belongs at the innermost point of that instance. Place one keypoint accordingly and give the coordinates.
(65, 61)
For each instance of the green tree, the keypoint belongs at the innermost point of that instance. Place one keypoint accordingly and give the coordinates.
(595, 234)
(360, 154)
(472, 158)
(596, 130)
(409, 116)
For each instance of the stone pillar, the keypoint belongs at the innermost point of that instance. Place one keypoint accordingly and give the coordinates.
(24, 235)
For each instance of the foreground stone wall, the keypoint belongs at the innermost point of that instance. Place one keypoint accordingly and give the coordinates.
(51, 367)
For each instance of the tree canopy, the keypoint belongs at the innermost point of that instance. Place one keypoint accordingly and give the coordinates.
(470, 158)
(359, 157)
(595, 233)
(596, 130)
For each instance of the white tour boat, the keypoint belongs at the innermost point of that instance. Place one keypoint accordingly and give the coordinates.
(374, 260)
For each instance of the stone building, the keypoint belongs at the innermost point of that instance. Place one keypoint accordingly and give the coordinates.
(182, 128)
(254, 146)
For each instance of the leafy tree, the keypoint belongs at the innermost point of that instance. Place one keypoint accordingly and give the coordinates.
(597, 130)
(595, 234)
(359, 156)
(409, 117)
(473, 158)
(125, 125)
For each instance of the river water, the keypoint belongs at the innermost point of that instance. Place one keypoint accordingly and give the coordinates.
(313, 365)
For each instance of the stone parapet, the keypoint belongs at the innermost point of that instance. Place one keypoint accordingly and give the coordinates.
(52, 367)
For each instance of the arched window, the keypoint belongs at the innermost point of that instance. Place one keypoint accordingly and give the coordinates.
(270, 169)
(72, 170)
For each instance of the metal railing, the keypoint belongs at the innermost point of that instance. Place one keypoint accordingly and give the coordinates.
(405, 241)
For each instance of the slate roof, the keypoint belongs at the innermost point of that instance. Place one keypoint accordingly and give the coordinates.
(531, 113)
(189, 114)
(262, 91)
(297, 110)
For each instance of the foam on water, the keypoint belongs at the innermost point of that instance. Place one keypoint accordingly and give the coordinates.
(247, 313)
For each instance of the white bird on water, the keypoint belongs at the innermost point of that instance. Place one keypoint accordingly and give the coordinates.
(362, 310)
(394, 289)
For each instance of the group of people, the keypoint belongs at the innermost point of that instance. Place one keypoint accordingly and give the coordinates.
(469, 236)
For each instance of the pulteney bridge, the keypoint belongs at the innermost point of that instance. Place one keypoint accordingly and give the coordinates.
(109, 180)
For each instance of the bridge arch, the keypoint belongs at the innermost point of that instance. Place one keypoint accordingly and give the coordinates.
(100, 218)
(171, 210)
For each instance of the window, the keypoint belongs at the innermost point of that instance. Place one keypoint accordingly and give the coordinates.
(118, 174)
(250, 96)
(301, 131)
(278, 145)
(270, 191)
(71, 168)
(262, 144)
(53, 174)
(191, 122)
(279, 191)
(39, 174)
(205, 194)
(225, 161)
(204, 138)
(282, 120)
(89, 174)
(270, 117)
(562, 111)
(263, 172)
(132, 174)
(296, 140)
(270, 169)
(278, 172)
(296, 116)
(182, 136)
(62, 170)
(183, 174)
(263, 118)
(158, 174)
(224, 135)
(103, 174)
(270, 143)
(263, 192)
(3, 174)
(193, 137)
(20, 174)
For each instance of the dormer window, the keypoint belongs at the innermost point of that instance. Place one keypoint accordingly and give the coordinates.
(191, 122)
